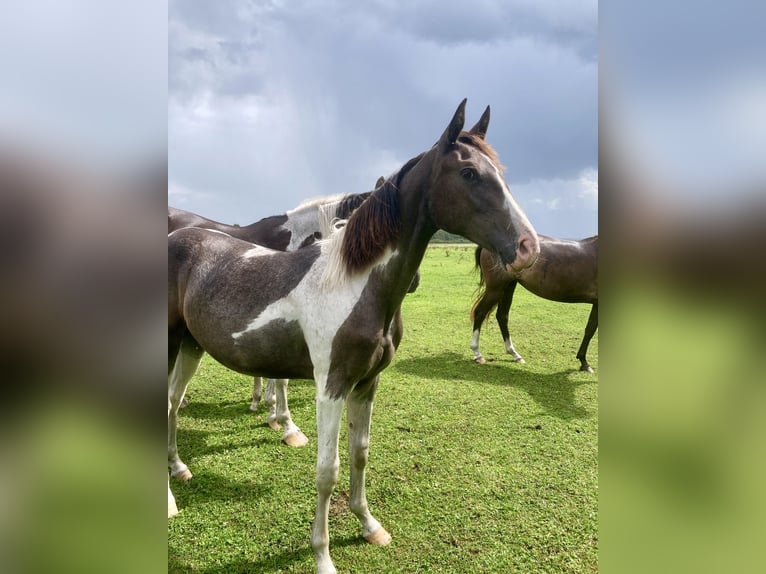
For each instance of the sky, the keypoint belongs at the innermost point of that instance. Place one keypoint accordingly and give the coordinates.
(272, 103)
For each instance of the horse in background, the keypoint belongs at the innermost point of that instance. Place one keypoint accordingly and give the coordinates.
(309, 222)
(565, 271)
(329, 311)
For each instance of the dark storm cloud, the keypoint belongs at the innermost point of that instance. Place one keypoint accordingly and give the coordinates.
(271, 103)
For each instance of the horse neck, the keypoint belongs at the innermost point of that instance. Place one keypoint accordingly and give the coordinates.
(416, 231)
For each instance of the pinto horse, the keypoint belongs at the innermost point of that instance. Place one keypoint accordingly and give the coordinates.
(329, 311)
(302, 226)
(565, 271)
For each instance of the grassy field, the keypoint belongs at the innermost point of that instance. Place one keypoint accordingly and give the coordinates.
(473, 468)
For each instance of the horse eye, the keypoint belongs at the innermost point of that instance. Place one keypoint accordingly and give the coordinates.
(468, 173)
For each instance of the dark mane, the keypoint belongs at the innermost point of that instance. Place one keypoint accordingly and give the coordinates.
(375, 224)
(475, 141)
(350, 203)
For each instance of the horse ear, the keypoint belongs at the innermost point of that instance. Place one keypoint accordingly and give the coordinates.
(480, 129)
(454, 128)
(381, 181)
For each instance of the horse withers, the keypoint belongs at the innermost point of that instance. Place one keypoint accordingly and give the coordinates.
(565, 271)
(329, 311)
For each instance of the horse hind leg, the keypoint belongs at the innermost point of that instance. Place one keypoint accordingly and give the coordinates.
(257, 394)
(590, 330)
(292, 435)
(187, 361)
(270, 400)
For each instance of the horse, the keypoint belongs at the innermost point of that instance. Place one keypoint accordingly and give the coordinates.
(565, 271)
(329, 311)
(302, 226)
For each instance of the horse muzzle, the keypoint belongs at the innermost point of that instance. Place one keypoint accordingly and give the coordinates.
(527, 251)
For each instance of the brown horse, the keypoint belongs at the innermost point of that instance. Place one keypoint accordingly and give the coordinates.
(329, 311)
(565, 271)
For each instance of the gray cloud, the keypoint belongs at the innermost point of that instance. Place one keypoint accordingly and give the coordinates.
(271, 103)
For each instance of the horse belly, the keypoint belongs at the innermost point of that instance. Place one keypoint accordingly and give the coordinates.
(276, 350)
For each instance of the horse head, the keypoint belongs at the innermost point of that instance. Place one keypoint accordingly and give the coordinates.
(470, 197)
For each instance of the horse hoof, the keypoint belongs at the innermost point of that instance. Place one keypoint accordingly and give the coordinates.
(295, 439)
(380, 537)
(252, 408)
(274, 424)
(587, 369)
(184, 475)
(520, 361)
(479, 360)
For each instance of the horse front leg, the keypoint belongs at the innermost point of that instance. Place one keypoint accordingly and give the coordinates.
(257, 393)
(293, 436)
(329, 412)
(590, 330)
(502, 315)
(359, 414)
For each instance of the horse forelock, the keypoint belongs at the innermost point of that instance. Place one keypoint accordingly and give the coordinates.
(478, 143)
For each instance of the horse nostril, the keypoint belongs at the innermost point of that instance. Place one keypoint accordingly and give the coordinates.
(527, 250)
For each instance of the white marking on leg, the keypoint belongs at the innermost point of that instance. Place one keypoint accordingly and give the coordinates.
(292, 435)
(475, 346)
(183, 370)
(172, 507)
(270, 400)
(328, 429)
(257, 393)
(510, 349)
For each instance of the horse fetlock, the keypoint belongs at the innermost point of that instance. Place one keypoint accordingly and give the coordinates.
(272, 422)
(380, 537)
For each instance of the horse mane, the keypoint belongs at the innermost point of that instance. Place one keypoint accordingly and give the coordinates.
(339, 207)
(371, 229)
(375, 224)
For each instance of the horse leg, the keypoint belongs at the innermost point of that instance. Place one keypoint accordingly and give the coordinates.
(503, 311)
(358, 415)
(590, 330)
(172, 508)
(257, 393)
(480, 311)
(329, 412)
(187, 361)
(292, 435)
(270, 400)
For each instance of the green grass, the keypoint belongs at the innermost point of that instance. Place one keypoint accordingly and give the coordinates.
(473, 468)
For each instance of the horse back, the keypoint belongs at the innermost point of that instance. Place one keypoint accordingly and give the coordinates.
(566, 271)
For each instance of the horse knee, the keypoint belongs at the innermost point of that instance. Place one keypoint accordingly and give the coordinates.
(327, 478)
